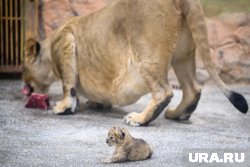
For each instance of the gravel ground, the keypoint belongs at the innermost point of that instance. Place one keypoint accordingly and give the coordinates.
(31, 137)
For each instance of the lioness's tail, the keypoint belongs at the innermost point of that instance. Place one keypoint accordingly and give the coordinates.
(193, 13)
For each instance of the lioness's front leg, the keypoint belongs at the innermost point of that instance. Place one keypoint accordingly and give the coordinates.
(66, 64)
(67, 105)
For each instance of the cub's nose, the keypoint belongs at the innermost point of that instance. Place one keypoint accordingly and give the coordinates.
(107, 141)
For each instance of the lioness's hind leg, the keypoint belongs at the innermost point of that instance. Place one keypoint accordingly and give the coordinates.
(154, 70)
(184, 69)
(68, 67)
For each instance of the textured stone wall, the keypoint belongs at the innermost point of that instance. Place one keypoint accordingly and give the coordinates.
(56, 12)
(229, 36)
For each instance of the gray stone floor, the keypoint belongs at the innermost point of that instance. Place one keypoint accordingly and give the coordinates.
(30, 137)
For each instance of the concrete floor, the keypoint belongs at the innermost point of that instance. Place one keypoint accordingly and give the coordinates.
(30, 137)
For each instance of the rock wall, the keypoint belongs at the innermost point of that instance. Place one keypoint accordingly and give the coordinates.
(56, 12)
(229, 36)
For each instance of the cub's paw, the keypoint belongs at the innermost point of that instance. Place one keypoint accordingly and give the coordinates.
(134, 119)
(66, 106)
(107, 161)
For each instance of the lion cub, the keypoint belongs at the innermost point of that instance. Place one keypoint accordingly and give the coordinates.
(127, 148)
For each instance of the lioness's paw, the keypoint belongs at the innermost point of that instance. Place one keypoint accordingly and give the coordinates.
(134, 119)
(172, 114)
(66, 107)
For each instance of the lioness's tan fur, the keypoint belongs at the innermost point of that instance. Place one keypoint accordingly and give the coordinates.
(118, 54)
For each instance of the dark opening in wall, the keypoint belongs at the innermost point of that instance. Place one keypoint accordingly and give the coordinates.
(12, 35)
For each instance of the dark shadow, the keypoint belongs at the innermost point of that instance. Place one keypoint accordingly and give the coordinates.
(13, 76)
(113, 112)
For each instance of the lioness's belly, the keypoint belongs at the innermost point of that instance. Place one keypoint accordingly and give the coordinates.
(119, 86)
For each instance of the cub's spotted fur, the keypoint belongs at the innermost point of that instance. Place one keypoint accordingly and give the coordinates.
(127, 148)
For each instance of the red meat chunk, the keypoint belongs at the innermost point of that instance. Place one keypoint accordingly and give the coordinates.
(36, 100)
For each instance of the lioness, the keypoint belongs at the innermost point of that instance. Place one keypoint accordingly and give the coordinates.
(118, 54)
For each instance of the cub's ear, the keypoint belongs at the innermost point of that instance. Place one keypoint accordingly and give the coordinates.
(120, 132)
(124, 131)
(32, 48)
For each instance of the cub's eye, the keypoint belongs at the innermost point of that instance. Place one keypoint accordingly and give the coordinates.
(111, 138)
